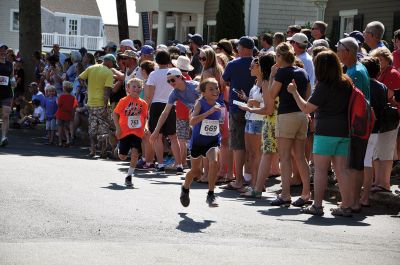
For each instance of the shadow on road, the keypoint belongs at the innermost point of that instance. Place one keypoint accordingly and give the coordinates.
(188, 225)
(115, 186)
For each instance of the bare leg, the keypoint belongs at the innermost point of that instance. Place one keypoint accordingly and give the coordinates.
(304, 170)
(322, 164)
(239, 157)
(159, 149)
(275, 170)
(263, 171)
(183, 151)
(284, 149)
(193, 172)
(175, 149)
(344, 180)
(212, 156)
(6, 121)
(367, 183)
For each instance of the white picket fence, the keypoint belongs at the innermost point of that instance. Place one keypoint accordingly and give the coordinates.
(72, 41)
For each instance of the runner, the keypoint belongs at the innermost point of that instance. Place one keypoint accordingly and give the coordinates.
(205, 141)
(130, 117)
(7, 83)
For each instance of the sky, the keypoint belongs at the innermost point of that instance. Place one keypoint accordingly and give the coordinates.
(108, 12)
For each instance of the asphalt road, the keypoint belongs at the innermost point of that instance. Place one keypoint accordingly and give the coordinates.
(57, 206)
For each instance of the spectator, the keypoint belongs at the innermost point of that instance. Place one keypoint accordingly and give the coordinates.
(66, 106)
(292, 29)
(373, 35)
(37, 94)
(266, 40)
(60, 56)
(195, 43)
(396, 52)
(51, 109)
(278, 38)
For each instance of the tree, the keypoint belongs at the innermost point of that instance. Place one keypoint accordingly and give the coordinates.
(230, 19)
(30, 35)
(123, 28)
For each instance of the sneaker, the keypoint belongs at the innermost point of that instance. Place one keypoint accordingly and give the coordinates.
(212, 200)
(146, 166)
(179, 171)
(128, 181)
(4, 141)
(140, 163)
(185, 200)
(160, 169)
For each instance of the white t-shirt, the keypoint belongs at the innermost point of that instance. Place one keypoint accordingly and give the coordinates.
(39, 113)
(255, 93)
(158, 78)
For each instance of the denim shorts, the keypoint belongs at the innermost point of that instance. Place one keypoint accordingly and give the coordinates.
(51, 125)
(253, 126)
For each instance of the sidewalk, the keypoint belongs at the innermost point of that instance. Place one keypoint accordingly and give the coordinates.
(31, 142)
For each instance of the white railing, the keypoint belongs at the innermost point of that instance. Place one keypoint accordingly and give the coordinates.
(72, 41)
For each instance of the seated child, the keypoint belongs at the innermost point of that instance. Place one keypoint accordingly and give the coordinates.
(30, 120)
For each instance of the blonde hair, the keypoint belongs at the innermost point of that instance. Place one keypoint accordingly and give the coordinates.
(384, 53)
(286, 51)
(68, 86)
(50, 88)
(138, 82)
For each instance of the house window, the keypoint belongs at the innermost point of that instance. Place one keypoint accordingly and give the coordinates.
(14, 20)
(211, 30)
(72, 27)
(347, 21)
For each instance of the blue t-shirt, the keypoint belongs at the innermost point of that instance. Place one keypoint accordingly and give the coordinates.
(287, 103)
(51, 107)
(40, 97)
(309, 67)
(187, 96)
(237, 72)
(359, 74)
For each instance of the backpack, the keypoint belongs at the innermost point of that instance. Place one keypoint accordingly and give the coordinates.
(361, 115)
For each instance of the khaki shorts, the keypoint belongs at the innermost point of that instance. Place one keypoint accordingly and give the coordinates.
(385, 145)
(292, 126)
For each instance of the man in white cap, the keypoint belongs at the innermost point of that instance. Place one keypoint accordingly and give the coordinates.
(7, 83)
(184, 91)
(126, 44)
(299, 41)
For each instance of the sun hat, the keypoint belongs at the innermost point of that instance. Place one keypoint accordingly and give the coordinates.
(183, 63)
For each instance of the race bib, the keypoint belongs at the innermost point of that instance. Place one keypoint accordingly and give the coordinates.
(209, 127)
(134, 122)
(4, 80)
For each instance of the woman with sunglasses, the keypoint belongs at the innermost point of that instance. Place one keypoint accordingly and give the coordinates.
(212, 69)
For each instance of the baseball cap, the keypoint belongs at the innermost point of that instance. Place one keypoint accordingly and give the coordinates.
(147, 50)
(174, 71)
(357, 35)
(299, 38)
(182, 48)
(246, 42)
(196, 39)
(162, 47)
(128, 43)
(32, 83)
(2, 45)
(129, 54)
(110, 57)
(111, 45)
(348, 43)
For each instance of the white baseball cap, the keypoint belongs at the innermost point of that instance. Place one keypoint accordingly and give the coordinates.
(299, 38)
(128, 43)
(174, 71)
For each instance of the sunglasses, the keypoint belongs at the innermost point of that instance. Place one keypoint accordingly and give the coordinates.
(172, 80)
(202, 58)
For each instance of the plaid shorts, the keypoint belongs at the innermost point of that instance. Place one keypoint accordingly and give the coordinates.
(99, 124)
(182, 129)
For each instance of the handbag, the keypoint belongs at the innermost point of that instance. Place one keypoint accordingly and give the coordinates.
(389, 119)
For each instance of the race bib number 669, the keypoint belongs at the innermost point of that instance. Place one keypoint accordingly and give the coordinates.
(209, 127)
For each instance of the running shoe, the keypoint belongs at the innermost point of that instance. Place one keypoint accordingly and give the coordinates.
(179, 171)
(146, 166)
(185, 200)
(128, 181)
(212, 200)
(160, 169)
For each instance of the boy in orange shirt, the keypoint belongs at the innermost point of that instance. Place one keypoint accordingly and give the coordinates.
(130, 117)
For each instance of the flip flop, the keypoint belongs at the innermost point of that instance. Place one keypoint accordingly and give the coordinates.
(229, 186)
(379, 188)
(365, 205)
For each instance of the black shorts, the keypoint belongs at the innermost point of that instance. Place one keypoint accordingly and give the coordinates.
(128, 142)
(169, 127)
(201, 150)
(358, 148)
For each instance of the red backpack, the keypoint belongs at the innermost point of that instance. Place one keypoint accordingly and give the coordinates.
(361, 115)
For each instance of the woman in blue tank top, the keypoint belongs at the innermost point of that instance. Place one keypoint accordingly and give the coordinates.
(206, 139)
